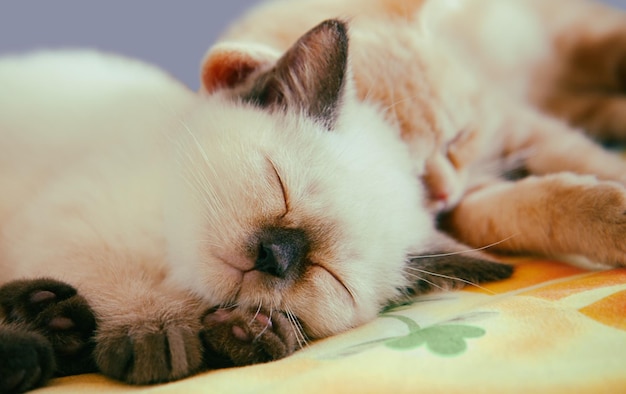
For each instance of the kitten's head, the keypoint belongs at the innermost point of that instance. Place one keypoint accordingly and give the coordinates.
(294, 197)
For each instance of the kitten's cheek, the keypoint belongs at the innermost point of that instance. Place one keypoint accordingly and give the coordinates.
(335, 309)
(216, 284)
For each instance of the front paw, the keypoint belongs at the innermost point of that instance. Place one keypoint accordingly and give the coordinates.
(237, 337)
(601, 216)
(581, 215)
(149, 352)
(54, 310)
(26, 360)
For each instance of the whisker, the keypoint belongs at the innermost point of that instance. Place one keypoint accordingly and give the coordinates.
(266, 326)
(465, 251)
(293, 327)
(198, 181)
(228, 306)
(195, 140)
(433, 284)
(467, 282)
(195, 178)
(297, 329)
(258, 310)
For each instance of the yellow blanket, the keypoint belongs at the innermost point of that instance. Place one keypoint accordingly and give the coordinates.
(551, 328)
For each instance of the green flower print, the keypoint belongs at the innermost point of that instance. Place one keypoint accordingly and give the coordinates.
(444, 339)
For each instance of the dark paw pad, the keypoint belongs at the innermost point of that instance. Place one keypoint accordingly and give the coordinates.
(236, 337)
(54, 310)
(26, 360)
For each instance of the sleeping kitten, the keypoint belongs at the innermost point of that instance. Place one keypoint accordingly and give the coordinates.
(203, 232)
(479, 89)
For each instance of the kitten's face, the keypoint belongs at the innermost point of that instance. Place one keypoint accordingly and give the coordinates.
(337, 212)
(270, 208)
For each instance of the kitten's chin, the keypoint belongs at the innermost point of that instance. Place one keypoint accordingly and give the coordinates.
(342, 317)
(322, 304)
(257, 287)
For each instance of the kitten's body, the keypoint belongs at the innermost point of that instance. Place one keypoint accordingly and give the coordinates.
(473, 88)
(190, 223)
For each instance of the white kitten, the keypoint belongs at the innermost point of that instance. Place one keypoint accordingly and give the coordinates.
(296, 205)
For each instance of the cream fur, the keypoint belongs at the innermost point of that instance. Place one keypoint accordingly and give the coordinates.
(149, 207)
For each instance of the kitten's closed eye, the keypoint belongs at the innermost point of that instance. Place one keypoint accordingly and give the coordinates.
(283, 187)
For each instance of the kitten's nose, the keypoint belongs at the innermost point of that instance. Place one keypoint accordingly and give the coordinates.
(280, 251)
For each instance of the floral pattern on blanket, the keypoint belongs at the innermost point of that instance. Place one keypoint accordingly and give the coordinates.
(445, 339)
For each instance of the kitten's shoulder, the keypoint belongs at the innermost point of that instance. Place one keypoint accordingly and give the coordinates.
(75, 91)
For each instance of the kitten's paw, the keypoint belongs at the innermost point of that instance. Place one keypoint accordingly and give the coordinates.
(236, 337)
(601, 219)
(450, 271)
(26, 360)
(54, 310)
(149, 352)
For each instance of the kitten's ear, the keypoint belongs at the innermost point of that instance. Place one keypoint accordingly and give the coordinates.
(232, 66)
(309, 77)
(450, 265)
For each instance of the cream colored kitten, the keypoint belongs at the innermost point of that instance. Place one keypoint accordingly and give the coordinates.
(472, 88)
(203, 231)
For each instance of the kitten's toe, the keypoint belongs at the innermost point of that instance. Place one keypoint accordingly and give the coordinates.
(236, 337)
(145, 356)
(70, 327)
(55, 310)
(24, 300)
(26, 360)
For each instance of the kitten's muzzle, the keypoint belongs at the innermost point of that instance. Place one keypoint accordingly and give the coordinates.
(281, 251)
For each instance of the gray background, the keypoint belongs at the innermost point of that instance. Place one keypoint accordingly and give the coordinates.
(172, 34)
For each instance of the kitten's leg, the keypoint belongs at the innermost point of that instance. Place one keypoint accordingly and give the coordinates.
(553, 147)
(236, 337)
(147, 332)
(47, 329)
(587, 85)
(27, 359)
(449, 265)
(553, 214)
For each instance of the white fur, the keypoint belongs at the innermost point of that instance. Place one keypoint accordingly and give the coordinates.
(134, 189)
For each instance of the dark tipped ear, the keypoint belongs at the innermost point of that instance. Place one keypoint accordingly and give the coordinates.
(450, 265)
(310, 76)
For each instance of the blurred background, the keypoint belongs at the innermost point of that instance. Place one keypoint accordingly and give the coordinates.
(172, 34)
